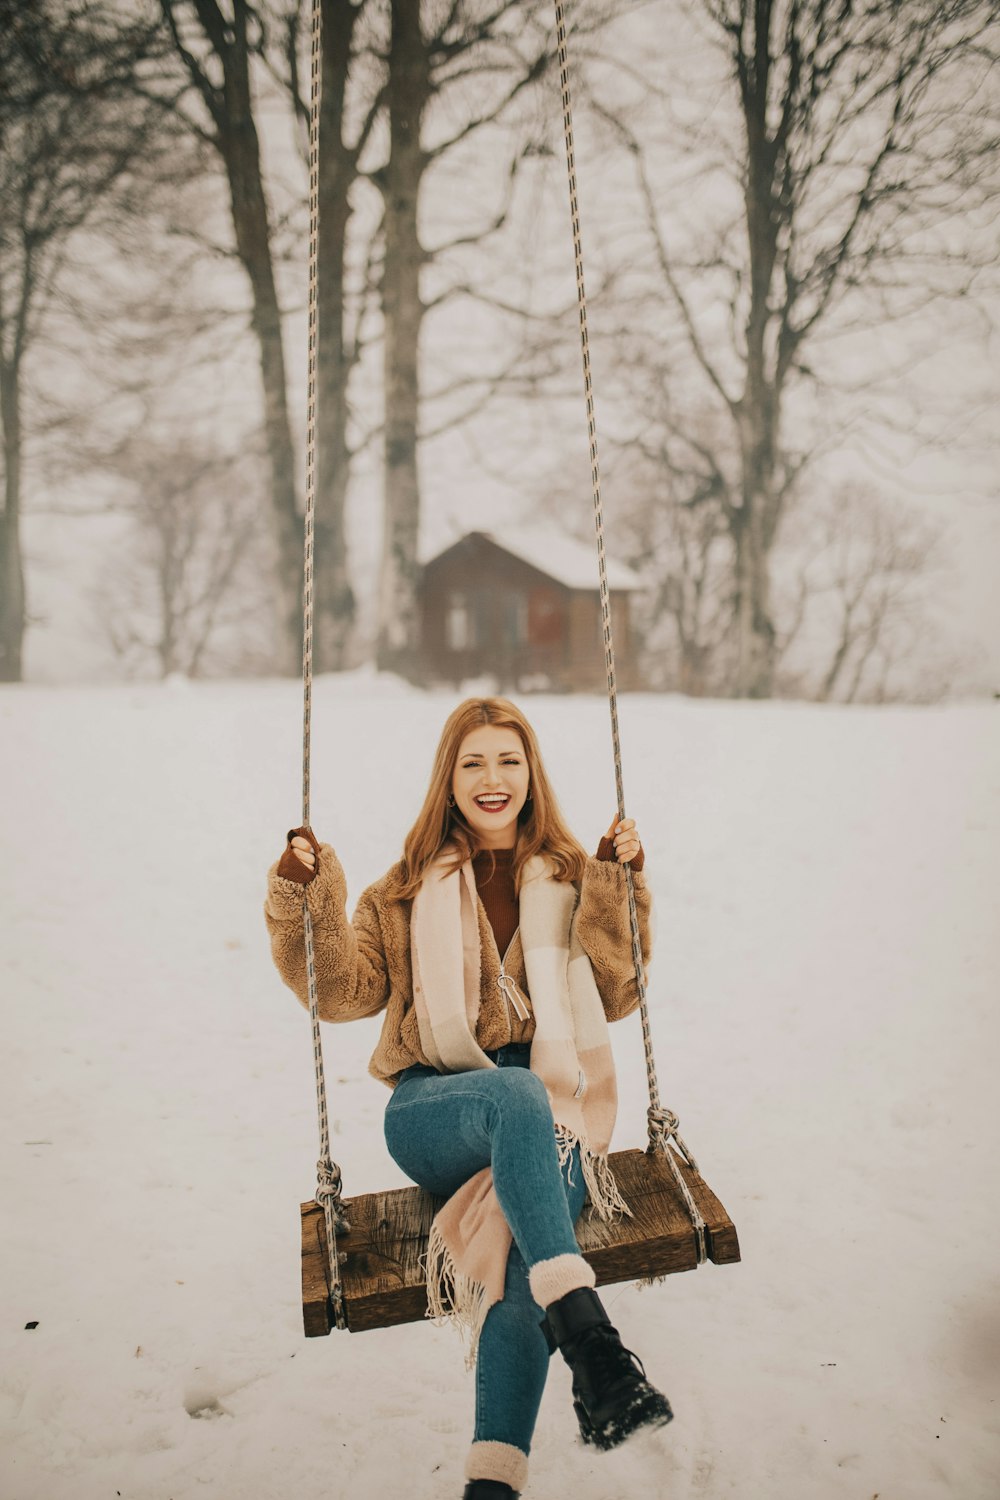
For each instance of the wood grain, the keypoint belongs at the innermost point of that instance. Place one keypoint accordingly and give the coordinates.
(380, 1259)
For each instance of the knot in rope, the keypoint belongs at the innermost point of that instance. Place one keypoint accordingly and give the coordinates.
(329, 1187)
(664, 1128)
(663, 1123)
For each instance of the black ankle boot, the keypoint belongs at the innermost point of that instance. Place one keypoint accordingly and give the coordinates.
(488, 1489)
(611, 1395)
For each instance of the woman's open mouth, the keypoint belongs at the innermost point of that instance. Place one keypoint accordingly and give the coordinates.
(491, 804)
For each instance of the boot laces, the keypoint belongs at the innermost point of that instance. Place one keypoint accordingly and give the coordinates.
(608, 1361)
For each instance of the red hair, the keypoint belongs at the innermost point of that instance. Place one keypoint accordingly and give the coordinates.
(540, 825)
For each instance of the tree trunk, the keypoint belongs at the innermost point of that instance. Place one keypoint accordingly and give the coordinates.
(335, 599)
(240, 150)
(754, 522)
(398, 645)
(12, 601)
(753, 525)
(829, 683)
(756, 653)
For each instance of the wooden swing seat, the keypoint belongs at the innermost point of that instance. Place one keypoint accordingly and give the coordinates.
(380, 1272)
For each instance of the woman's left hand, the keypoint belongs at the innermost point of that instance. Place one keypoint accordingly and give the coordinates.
(625, 837)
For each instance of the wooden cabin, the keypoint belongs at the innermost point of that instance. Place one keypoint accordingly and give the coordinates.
(523, 606)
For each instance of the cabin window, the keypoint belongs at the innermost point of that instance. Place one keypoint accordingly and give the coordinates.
(516, 619)
(460, 624)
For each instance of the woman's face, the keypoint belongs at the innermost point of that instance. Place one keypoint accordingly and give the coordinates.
(490, 784)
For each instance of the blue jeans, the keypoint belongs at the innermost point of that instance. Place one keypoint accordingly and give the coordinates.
(441, 1128)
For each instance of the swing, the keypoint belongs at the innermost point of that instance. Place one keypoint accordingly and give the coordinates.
(374, 1278)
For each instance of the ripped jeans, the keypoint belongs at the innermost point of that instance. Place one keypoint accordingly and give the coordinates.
(441, 1128)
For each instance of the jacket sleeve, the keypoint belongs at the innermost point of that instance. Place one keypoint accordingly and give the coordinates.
(606, 936)
(352, 978)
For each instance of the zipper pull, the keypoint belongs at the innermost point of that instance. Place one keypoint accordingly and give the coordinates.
(516, 1001)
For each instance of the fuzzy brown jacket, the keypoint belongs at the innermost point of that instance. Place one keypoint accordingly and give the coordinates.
(363, 965)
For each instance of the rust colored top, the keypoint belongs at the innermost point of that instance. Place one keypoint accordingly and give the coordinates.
(496, 892)
(494, 872)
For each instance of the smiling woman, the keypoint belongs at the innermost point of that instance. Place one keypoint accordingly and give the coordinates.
(491, 784)
(499, 951)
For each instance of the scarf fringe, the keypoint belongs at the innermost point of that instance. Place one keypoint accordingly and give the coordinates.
(602, 1189)
(462, 1301)
(454, 1298)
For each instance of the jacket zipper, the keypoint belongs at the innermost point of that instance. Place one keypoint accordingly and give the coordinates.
(517, 1002)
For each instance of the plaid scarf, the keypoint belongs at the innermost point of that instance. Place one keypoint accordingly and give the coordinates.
(571, 1053)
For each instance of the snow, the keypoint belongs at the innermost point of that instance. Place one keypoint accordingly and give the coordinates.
(566, 559)
(824, 1012)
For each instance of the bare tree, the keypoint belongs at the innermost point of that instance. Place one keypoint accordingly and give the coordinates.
(409, 91)
(187, 571)
(217, 50)
(850, 134)
(352, 103)
(455, 67)
(74, 143)
(860, 595)
(231, 53)
(686, 626)
(674, 535)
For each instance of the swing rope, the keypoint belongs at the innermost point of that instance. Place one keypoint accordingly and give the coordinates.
(663, 1124)
(328, 1179)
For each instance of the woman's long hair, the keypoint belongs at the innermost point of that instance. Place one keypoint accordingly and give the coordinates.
(540, 826)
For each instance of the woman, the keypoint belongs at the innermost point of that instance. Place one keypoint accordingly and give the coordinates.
(498, 951)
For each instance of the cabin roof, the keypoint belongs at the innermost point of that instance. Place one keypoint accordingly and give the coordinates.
(563, 558)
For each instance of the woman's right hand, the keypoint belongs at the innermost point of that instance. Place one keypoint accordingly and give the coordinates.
(299, 859)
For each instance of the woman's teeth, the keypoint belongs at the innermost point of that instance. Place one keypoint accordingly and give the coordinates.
(491, 804)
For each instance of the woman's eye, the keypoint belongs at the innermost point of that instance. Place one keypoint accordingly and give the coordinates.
(474, 765)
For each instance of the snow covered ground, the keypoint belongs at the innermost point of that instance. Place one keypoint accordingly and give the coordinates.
(825, 1006)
